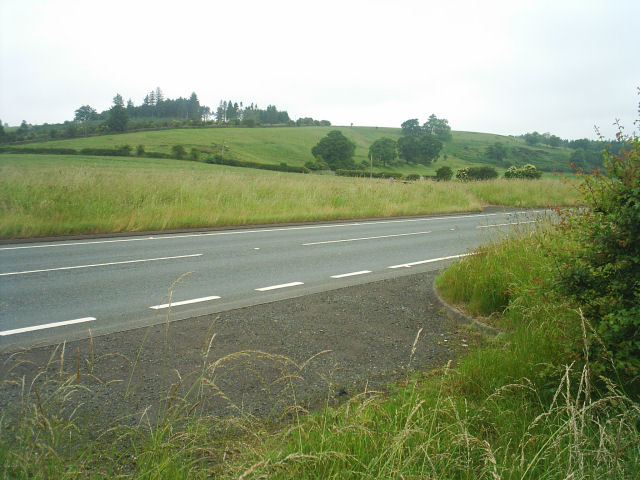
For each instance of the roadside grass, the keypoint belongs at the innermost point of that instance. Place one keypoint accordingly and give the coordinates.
(48, 195)
(524, 405)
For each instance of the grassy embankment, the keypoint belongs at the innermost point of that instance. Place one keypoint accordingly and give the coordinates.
(293, 146)
(524, 405)
(44, 195)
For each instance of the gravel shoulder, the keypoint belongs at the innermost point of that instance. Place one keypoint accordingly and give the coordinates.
(253, 361)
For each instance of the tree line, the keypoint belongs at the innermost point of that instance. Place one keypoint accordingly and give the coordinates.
(155, 111)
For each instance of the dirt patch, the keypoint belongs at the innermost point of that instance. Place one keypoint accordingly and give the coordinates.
(251, 361)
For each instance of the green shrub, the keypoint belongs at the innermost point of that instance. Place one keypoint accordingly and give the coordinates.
(37, 150)
(232, 162)
(194, 154)
(178, 151)
(528, 171)
(140, 151)
(123, 151)
(444, 174)
(412, 177)
(476, 173)
(604, 274)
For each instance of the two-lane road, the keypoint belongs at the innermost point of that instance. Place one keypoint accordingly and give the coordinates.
(60, 290)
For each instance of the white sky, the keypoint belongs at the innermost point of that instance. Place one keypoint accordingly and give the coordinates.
(505, 67)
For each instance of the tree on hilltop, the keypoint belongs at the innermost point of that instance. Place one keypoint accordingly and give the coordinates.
(411, 128)
(438, 127)
(118, 116)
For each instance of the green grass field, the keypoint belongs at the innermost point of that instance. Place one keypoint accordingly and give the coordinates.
(293, 145)
(43, 195)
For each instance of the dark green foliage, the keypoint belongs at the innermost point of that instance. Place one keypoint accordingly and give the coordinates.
(529, 172)
(118, 116)
(383, 151)
(604, 275)
(423, 149)
(140, 151)
(476, 173)
(497, 152)
(43, 150)
(412, 177)
(411, 128)
(283, 167)
(444, 174)
(439, 127)
(363, 173)
(123, 151)
(194, 154)
(178, 152)
(336, 150)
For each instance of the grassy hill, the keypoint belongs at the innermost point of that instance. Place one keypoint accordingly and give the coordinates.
(293, 146)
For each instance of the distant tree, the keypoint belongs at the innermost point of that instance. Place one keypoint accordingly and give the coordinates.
(336, 150)
(424, 149)
(497, 151)
(3, 134)
(23, 129)
(178, 152)
(85, 114)
(444, 174)
(411, 128)
(532, 138)
(193, 106)
(439, 127)
(118, 116)
(383, 150)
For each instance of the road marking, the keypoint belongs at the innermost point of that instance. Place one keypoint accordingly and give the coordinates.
(365, 238)
(431, 260)
(505, 224)
(47, 325)
(100, 264)
(244, 232)
(185, 302)
(274, 287)
(352, 274)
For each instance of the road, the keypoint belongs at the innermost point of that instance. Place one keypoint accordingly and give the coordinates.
(52, 291)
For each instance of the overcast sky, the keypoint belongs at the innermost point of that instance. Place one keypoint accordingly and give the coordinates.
(506, 67)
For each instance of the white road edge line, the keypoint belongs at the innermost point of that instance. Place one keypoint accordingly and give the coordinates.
(274, 287)
(47, 325)
(352, 274)
(365, 238)
(505, 224)
(431, 260)
(169, 236)
(99, 264)
(185, 302)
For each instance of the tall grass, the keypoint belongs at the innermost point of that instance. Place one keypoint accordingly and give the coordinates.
(47, 195)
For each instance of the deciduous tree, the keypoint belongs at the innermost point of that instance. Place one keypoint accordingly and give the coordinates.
(336, 150)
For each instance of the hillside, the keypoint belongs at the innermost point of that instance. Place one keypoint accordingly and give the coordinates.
(293, 146)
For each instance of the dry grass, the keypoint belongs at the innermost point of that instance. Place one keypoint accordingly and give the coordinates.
(48, 195)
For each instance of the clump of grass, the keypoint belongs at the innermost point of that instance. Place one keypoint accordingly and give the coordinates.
(47, 195)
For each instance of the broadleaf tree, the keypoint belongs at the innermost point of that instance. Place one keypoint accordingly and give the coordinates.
(335, 150)
(383, 151)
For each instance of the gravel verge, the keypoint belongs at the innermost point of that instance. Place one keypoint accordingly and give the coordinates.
(254, 361)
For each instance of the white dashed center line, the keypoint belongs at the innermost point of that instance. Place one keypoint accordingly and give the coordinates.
(505, 224)
(98, 265)
(275, 287)
(46, 325)
(185, 302)
(366, 238)
(431, 260)
(352, 274)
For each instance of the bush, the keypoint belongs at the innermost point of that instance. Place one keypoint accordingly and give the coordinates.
(604, 275)
(122, 151)
(476, 173)
(526, 172)
(444, 174)
(178, 151)
(412, 177)
(231, 162)
(140, 151)
(194, 154)
(42, 150)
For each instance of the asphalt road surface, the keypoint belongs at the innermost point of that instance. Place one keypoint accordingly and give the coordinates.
(52, 291)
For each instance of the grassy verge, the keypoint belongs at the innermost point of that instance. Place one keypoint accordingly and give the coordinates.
(524, 406)
(43, 195)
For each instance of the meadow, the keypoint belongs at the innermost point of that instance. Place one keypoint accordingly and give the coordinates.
(275, 145)
(48, 195)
